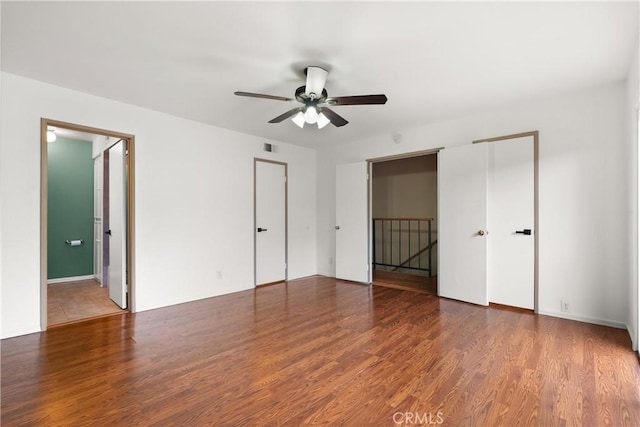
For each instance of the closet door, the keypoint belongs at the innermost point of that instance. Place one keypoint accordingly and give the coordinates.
(352, 224)
(271, 222)
(511, 222)
(487, 217)
(462, 216)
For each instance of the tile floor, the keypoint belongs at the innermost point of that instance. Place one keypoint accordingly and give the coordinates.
(73, 301)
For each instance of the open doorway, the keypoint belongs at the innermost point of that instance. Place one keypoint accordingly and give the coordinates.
(404, 205)
(75, 253)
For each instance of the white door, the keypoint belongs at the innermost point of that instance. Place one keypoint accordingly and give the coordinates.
(97, 218)
(117, 232)
(352, 223)
(511, 214)
(270, 222)
(462, 217)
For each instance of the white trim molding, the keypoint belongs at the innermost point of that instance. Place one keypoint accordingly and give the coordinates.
(70, 279)
(586, 319)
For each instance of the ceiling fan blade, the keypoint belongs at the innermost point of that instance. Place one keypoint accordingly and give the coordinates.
(259, 95)
(286, 115)
(357, 100)
(336, 119)
(316, 78)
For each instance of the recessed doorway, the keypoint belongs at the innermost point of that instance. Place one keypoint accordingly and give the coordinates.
(75, 253)
(404, 206)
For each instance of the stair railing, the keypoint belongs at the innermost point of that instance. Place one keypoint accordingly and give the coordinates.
(405, 243)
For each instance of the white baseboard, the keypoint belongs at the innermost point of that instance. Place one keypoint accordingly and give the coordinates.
(632, 335)
(70, 279)
(586, 319)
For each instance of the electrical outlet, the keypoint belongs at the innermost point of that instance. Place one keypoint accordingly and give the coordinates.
(218, 274)
(564, 307)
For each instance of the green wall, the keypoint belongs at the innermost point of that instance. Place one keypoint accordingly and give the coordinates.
(70, 208)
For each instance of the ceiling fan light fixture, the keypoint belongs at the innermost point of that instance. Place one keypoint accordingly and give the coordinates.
(299, 120)
(311, 114)
(322, 121)
(315, 101)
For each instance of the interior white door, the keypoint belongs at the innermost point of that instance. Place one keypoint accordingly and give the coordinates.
(270, 222)
(511, 214)
(352, 231)
(97, 218)
(117, 232)
(462, 216)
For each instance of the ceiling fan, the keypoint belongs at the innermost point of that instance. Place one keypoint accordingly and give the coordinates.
(316, 102)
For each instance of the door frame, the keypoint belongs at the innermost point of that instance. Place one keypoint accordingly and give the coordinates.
(130, 211)
(536, 223)
(382, 159)
(286, 218)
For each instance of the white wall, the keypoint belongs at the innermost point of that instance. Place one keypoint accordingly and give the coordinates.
(193, 207)
(405, 188)
(584, 185)
(194, 197)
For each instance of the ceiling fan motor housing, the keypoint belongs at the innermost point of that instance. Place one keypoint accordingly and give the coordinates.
(302, 96)
(316, 79)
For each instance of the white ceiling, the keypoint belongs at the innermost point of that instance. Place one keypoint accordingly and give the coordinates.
(433, 60)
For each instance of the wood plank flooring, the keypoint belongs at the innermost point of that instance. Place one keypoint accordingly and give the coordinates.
(322, 351)
(73, 301)
(407, 282)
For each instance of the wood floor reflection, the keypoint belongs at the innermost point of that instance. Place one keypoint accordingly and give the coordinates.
(322, 351)
(406, 281)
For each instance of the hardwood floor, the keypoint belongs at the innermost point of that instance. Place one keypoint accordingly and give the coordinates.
(322, 351)
(73, 301)
(407, 282)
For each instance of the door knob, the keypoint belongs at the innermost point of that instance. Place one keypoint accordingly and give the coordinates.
(337, 227)
(260, 229)
(526, 232)
(481, 232)
(108, 232)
